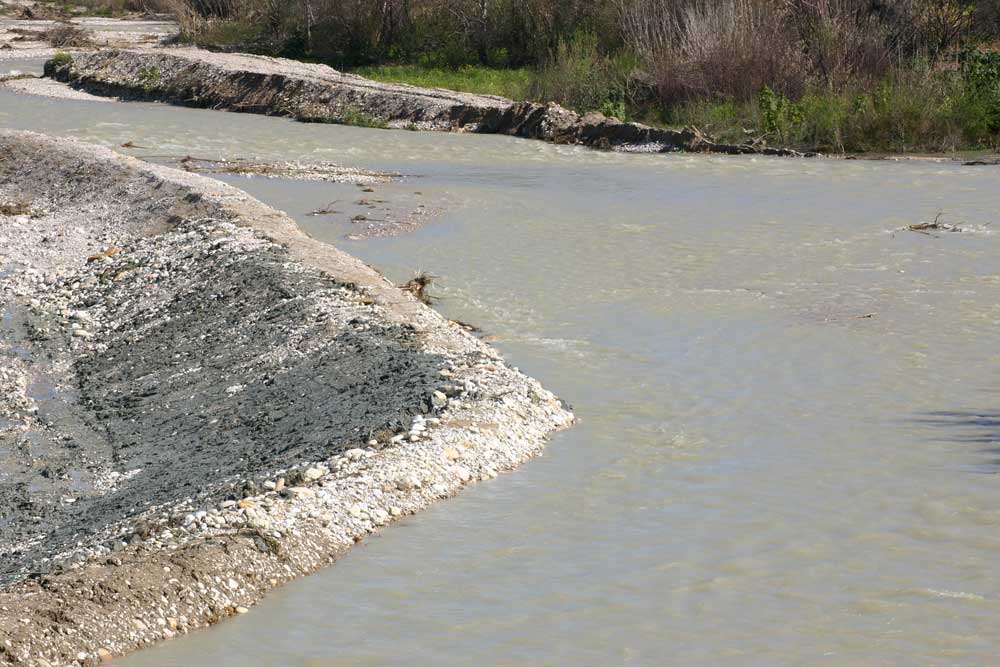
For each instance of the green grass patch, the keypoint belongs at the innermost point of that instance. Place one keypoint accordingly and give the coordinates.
(349, 116)
(225, 35)
(512, 83)
(61, 58)
(358, 118)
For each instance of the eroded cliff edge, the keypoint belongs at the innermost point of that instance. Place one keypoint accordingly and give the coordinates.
(317, 93)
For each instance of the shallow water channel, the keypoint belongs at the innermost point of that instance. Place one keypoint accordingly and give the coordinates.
(789, 438)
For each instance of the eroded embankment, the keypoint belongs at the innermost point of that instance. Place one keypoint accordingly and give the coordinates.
(275, 86)
(198, 402)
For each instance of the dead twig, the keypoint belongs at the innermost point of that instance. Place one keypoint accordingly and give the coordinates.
(417, 286)
(926, 228)
(936, 225)
(326, 210)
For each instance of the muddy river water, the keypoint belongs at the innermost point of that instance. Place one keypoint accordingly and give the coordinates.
(789, 440)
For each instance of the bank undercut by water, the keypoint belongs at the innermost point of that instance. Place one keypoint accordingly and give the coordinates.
(317, 93)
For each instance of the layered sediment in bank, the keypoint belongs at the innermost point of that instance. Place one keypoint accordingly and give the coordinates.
(317, 93)
(199, 403)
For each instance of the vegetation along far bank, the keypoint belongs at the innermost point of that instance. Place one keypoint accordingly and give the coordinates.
(827, 75)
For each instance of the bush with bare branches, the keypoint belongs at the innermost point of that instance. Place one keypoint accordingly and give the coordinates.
(64, 35)
(727, 49)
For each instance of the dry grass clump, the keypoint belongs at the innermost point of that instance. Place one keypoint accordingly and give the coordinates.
(15, 208)
(728, 48)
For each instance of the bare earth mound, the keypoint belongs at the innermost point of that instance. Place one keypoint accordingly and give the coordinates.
(198, 402)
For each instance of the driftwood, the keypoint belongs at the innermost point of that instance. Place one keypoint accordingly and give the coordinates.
(927, 227)
(417, 286)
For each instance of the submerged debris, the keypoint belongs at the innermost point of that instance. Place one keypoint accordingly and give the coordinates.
(325, 210)
(417, 286)
(928, 227)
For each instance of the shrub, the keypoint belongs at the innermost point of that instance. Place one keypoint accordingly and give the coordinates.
(725, 49)
(67, 35)
(780, 117)
(227, 35)
(580, 77)
(981, 87)
(149, 77)
(61, 58)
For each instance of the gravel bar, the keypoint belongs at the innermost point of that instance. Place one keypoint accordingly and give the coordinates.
(199, 403)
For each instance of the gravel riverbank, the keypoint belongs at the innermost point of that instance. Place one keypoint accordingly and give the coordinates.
(199, 403)
(317, 93)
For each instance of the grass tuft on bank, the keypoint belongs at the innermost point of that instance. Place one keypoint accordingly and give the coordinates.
(511, 83)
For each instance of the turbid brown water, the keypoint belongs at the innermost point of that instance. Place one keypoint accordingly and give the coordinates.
(789, 411)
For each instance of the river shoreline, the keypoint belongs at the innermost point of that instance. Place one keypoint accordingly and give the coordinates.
(317, 93)
(178, 323)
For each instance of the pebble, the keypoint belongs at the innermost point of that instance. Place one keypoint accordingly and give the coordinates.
(314, 473)
(408, 483)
